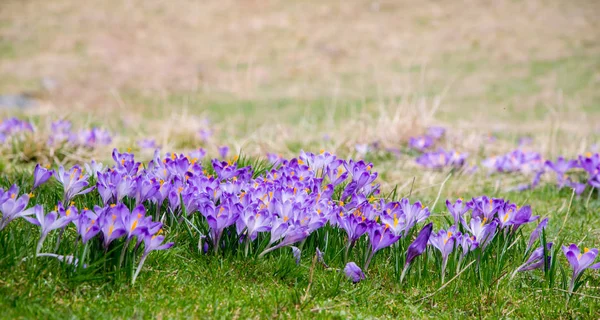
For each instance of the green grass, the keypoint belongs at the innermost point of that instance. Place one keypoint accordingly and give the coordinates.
(181, 282)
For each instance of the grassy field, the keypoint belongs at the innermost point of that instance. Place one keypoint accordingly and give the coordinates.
(281, 77)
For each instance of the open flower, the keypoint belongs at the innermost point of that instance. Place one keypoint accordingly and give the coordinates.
(13, 207)
(74, 181)
(57, 219)
(580, 261)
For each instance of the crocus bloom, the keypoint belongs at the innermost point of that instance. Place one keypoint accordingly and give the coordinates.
(73, 181)
(152, 242)
(87, 224)
(320, 258)
(457, 210)
(353, 272)
(13, 207)
(484, 233)
(297, 254)
(40, 176)
(420, 143)
(535, 234)
(112, 223)
(53, 220)
(147, 144)
(436, 132)
(223, 151)
(536, 260)
(381, 237)
(93, 168)
(417, 247)
(444, 242)
(560, 167)
(580, 261)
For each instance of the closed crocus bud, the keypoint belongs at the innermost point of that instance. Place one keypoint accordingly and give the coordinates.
(297, 253)
(418, 246)
(40, 175)
(353, 272)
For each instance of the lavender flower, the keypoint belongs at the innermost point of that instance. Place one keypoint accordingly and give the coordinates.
(297, 254)
(417, 247)
(73, 181)
(580, 261)
(353, 272)
(223, 151)
(535, 234)
(40, 176)
(536, 260)
(13, 207)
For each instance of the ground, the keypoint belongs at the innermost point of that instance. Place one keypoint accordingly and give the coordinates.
(275, 76)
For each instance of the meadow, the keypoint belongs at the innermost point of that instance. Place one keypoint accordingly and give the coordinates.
(245, 154)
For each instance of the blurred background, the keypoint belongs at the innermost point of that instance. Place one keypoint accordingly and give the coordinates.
(280, 76)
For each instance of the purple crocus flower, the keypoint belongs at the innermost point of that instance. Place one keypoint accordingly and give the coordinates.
(522, 217)
(380, 237)
(420, 143)
(57, 219)
(468, 243)
(353, 272)
(354, 225)
(484, 233)
(198, 154)
(87, 224)
(485, 208)
(13, 207)
(536, 260)
(219, 218)
(223, 151)
(457, 210)
(417, 247)
(93, 168)
(297, 254)
(112, 223)
(535, 234)
(152, 242)
(147, 144)
(40, 176)
(580, 261)
(134, 222)
(590, 162)
(320, 258)
(560, 167)
(205, 134)
(436, 132)
(73, 181)
(444, 241)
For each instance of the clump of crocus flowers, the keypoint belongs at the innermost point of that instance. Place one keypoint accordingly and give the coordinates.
(226, 206)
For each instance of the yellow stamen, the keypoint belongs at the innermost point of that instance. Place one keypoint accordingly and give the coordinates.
(111, 229)
(322, 151)
(68, 212)
(112, 205)
(285, 219)
(31, 195)
(588, 154)
(133, 225)
(300, 161)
